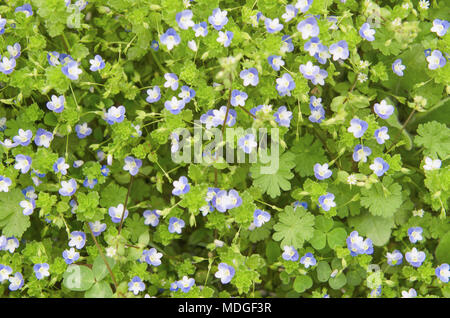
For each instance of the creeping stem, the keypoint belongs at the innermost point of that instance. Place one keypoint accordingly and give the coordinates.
(125, 205)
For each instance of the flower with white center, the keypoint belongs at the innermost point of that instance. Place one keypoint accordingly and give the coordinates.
(151, 217)
(27, 206)
(357, 127)
(176, 225)
(351, 179)
(218, 19)
(283, 116)
(97, 63)
(308, 260)
(443, 272)
(383, 109)
(303, 5)
(83, 130)
(201, 29)
(132, 165)
(136, 285)
(440, 27)
(415, 257)
(339, 50)
(23, 163)
(379, 166)
(14, 50)
(411, 293)
(170, 39)
(398, 67)
(250, 76)
(436, 60)
(431, 164)
(7, 65)
(321, 171)
(309, 70)
(71, 70)
(273, 26)
(5, 271)
(308, 28)
(260, 217)
(326, 201)
(275, 62)
(184, 19)
(286, 45)
(60, 166)
(175, 106)
(56, 104)
(23, 138)
(77, 239)
(290, 253)
(16, 282)
(116, 213)
(68, 188)
(41, 270)
(395, 258)
(152, 257)
(225, 273)
(192, 45)
(115, 114)
(381, 135)
(171, 81)
(415, 234)
(70, 256)
(97, 227)
(285, 84)
(312, 46)
(185, 284)
(366, 32)
(238, 98)
(290, 13)
(225, 38)
(154, 94)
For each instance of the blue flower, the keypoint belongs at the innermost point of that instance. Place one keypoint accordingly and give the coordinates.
(250, 76)
(238, 98)
(289, 253)
(104, 171)
(87, 183)
(186, 94)
(398, 67)
(383, 109)
(225, 38)
(41, 270)
(411, 293)
(97, 227)
(136, 285)
(155, 45)
(132, 165)
(339, 50)
(29, 193)
(285, 84)
(7, 143)
(286, 45)
(152, 257)
(303, 5)
(68, 188)
(185, 284)
(78, 163)
(366, 32)
(379, 166)
(326, 201)
(443, 272)
(53, 58)
(43, 138)
(116, 213)
(308, 28)
(440, 27)
(16, 281)
(60, 166)
(174, 105)
(225, 201)
(28, 206)
(319, 78)
(171, 81)
(151, 217)
(427, 52)
(23, 163)
(381, 135)
(174, 286)
(309, 70)
(360, 153)
(357, 127)
(176, 225)
(415, 257)
(154, 94)
(70, 256)
(181, 186)
(283, 116)
(184, 19)
(321, 171)
(201, 29)
(290, 13)
(11, 244)
(260, 217)
(218, 19)
(65, 58)
(322, 54)
(395, 258)
(5, 271)
(355, 243)
(115, 114)
(247, 143)
(3, 242)
(273, 26)
(317, 114)
(14, 50)
(71, 70)
(97, 63)
(56, 104)
(312, 46)
(170, 39)
(77, 239)
(296, 204)
(225, 273)
(276, 62)
(415, 234)
(308, 260)
(7, 65)
(83, 130)
(435, 60)
(2, 25)
(26, 8)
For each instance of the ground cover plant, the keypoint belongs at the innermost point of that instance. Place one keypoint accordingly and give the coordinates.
(342, 104)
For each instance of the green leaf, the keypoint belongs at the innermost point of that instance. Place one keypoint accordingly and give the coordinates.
(435, 138)
(443, 249)
(308, 152)
(383, 198)
(323, 270)
(99, 290)
(377, 228)
(294, 227)
(337, 282)
(12, 220)
(336, 237)
(272, 182)
(302, 283)
(78, 278)
(99, 267)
